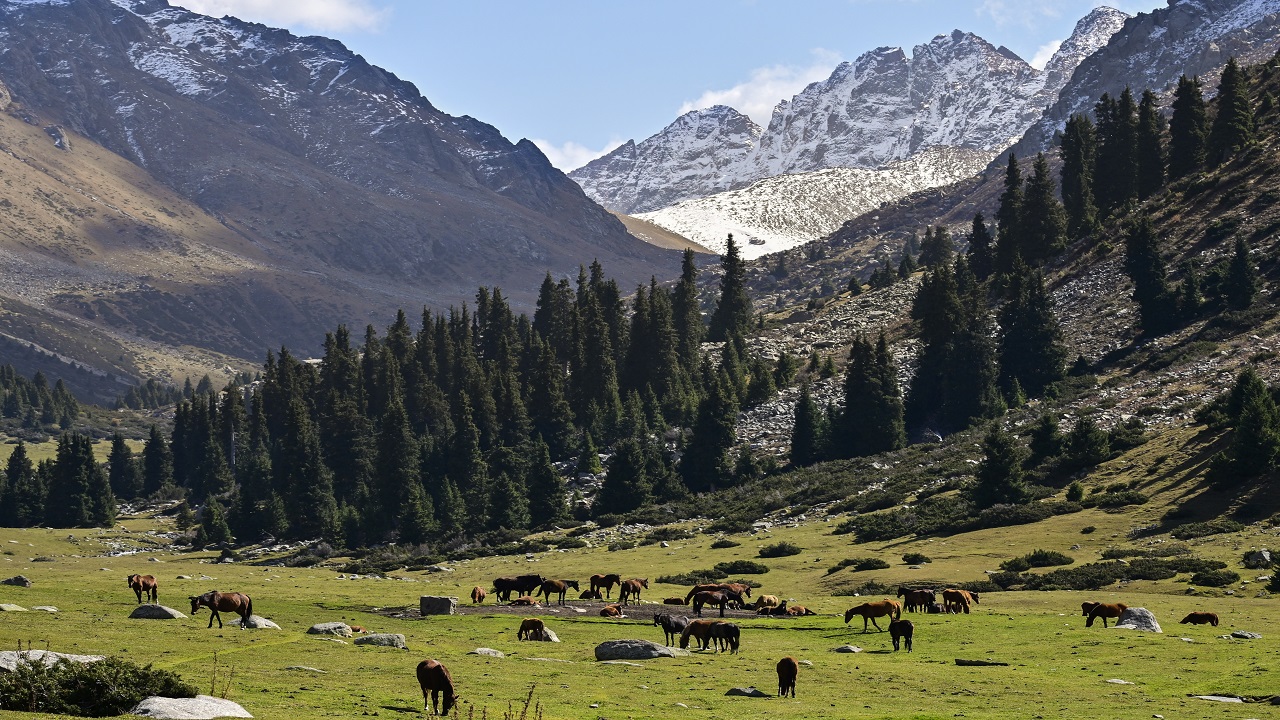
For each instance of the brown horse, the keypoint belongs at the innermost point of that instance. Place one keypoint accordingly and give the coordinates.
(673, 601)
(901, 630)
(719, 597)
(700, 629)
(778, 610)
(478, 595)
(520, 585)
(434, 678)
(957, 600)
(788, 670)
(605, 581)
(872, 610)
(612, 610)
(917, 600)
(765, 601)
(1104, 611)
(590, 595)
(727, 635)
(530, 626)
(742, 589)
(559, 587)
(631, 589)
(525, 601)
(144, 584)
(1200, 618)
(798, 610)
(235, 602)
(1086, 606)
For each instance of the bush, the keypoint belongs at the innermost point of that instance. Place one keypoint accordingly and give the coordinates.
(663, 534)
(915, 558)
(723, 544)
(621, 545)
(1274, 585)
(741, 567)
(1202, 529)
(1149, 569)
(1075, 492)
(570, 543)
(1047, 558)
(1112, 499)
(1015, 565)
(780, 549)
(869, 587)
(693, 577)
(859, 564)
(105, 688)
(980, 586)
(1162, 551)
(1215, 578)
(1087, 530)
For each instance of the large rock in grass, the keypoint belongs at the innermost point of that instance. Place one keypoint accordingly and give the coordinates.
(155, 612)
(544, 635)
(747, 692)
(10, 607)
(395, 640)
(636, 650)
(437, 605)
(200, 707)
(340, 629)
(1258, 559)
(1138, 619)
(17, 581)
(257, 622)
(10, 659)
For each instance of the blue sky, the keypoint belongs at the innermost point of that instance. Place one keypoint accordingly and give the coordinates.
(579, 77)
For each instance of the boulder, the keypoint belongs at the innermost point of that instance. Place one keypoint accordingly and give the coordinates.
(746, 692)
(257, 622)
(17, 580)
(308, 668)
(200, 707)
(1246, 635)
(636, 650)
(340, 629)
(1258, 559)
(847, 649)
(45, 608)
(438, 605)
(155, 612)
(487, 652)
(544, 635)
(395, 640)
(980, 663)
(10, 607)
(9, 659)
(1138, 619)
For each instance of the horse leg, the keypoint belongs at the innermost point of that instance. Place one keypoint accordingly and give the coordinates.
(722, 608)
(138, 591)
(873, 622)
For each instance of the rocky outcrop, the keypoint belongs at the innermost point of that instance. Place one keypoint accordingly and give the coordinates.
(1138, 619)
(488, 652)
(393, 640)
(437, 605)
(636, 650)
(17, 581)
(339, 629)
(10, 659)
(155, 612)
(200, 707)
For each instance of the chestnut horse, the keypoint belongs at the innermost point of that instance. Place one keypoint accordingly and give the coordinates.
(530, 626)
(700, 629)
(611, 610)
(1104, 611)
(917, 599)
(740, 588)
(956, 600)
(1200, 618)
(605, 581)
(144, 584)
(872, 610)
(788, 669)
(478, 595)
(434, 678)
(559, 587)
(719, 597)
(235, 602)
(631, 589)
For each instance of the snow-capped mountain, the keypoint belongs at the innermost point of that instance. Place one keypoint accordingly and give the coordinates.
(788, 210)
(955, 91)
(1191, 37)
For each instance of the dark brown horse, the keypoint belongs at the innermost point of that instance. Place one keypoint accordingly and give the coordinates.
(605, 581)
(520, 585)
(434, 678)
(559, 587)
(591, 595)
(700, 629)
(727, 635)
(217, 602)
(1086, 606)
(872, 610)
(788, 670)
(144, 584)
(630, 589)
(672, 625)
(531, 629)
(673, 601)
(901, 630)
(478, 595)
(1104, 611)
(1200, 618)
(917, 600)
(719, 597)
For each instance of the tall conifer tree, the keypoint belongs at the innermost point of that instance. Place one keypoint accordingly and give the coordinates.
(1079, 158)
(1233, 124)
(732, 316)
(1188, 128)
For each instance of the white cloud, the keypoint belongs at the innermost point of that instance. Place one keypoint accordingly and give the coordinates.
(1022, 13)
(757, 96)
(572, 155)
(1045, 54)
(324, 15)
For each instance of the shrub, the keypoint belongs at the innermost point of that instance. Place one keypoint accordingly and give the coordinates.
(1087, 529)
(665, 534)
(980, 586)
(1162, 551)
(570, 543)
(1149, 569)
(1215, 578)
(869, 587)
(1015, 565)
(693, 577)
(915, 558)
(1047, 558)
(621, 545)
(1201, 529)
(1274, 585)
(105, 688)
(1195, 565)
(722, 544)
(859, 564)
(780, 549)
(741, 567)
(609, 520)
(1116, 498)
(1075, 492)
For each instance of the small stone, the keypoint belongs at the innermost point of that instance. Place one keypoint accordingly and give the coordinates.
(488, 652)
(1118, 681)
(746, 692)
(257, 622)
(847, 649)
(807, 663)
(595, 705)
(1246, 635)
(1219, 698)
(306, 668)
(45, 608)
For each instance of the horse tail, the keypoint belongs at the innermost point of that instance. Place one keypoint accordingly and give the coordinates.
(248, 611)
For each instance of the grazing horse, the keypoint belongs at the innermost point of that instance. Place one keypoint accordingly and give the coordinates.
(957, 600)
(742, 589)
(727, 635)
(901, 630)
(613, 610)
(478, 595)
(235, 602)
(788, 669)
(766, 601)
(520, 585)
(719, 597)
(1200, 618)
(1104, 611)
(590, 595)
(605, 581)
(917, 600)
(672, 625)
(700, 629)
(531, 629)
(559, 587)
(872, 610)
(434, 678)
(673, 601)
(144, 584)
(631, 589)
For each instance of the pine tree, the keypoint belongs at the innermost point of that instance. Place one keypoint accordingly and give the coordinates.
(123, 472)
(805, 431)
(732, 316)
(872, 421)
(626, 486)
(1233, 124)
(1188, 129)
(1009, 217)
(1146, 269)
(687, 314)
(547, 490)
(588, 457)
(1032, 353)
(1086, 445)
(25, 497)
(510, 504)
(306, 483)
(937, 249)
(1043, 226)
(1151, 152)
(1046, 440)
(705, 464)
(213, 524)
(1241, 284)
(1255, 442)
(69, 487)
(1079, 157)
(999, 478)
(981, 254)
(1116, 173)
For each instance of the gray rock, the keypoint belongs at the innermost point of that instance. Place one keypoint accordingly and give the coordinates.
(1219, 698)
(339, 629)
(847, 649)
(155, 612)
(10, 607)
(438, 568)
(544, 635)
(1245, 635)
(183, 577)
(1138, 619)
(438, 605)
(746, 692)
(1258, 559)
(1118, 681)
(395, 640)
(807, 663)
(620, 662)
(9, 659)
(635, 650)
(307, 668)
(200, 707)
(17, 580)
(257, 622)
(980, 663)
(488, 652)
(45, 608)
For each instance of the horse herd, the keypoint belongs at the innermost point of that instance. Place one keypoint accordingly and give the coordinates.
(235, 602)
(1094, 610)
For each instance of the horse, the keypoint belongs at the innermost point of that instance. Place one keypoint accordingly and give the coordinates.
(872, 610)
(1200, 618)
(917, 599)
(719, 597)
(559, 587)
(799, 610)
(590, 595)
(1104, 611)
(631, 589)
(780, 609)
(726, 634)
(901, 630)
(672, 625)
(235, 602)
(788, 669)
(673, 601)
(935, 608)
(766, 601)
(700, 629)
(605, 581)
(521, 585)
(478, 595)
(613, 610)
(957, 600)
(359, 629)
(1086, 606)
(525, 601)
(144, 584)
(530, 626)
(742, 589)
(434, 678)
